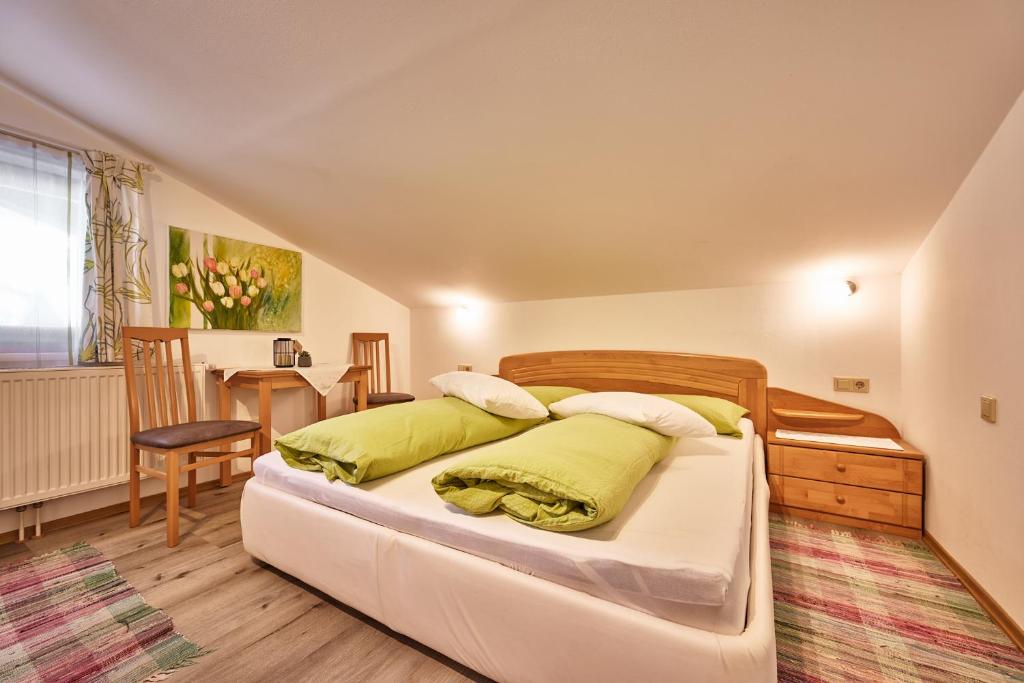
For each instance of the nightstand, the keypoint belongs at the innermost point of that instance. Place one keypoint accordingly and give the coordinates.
(870, 488)
(862, 487)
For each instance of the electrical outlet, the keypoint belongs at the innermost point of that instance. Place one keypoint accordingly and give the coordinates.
(988, 408)
(858, 385)
(464, 367)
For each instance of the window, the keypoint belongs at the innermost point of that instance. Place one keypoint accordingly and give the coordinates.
(43, 225)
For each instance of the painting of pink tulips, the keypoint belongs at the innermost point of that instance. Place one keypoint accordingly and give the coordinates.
(218, 283)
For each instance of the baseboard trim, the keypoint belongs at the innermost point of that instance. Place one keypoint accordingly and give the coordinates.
(109, 510)
(1003, 620)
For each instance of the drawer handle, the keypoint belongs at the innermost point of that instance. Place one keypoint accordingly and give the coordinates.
(841, 467)
(841, 500)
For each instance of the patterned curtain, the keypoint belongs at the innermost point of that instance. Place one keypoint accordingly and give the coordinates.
(117, 288)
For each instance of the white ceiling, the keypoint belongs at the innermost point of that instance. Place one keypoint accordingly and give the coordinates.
(528, 150)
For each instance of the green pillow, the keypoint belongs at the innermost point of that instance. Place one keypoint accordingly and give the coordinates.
(549, 395)
(370, 444)
(724, 415)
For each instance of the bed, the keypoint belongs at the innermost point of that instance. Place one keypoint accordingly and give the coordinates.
(638, 598)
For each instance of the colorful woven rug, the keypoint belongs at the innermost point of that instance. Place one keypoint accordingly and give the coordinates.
(69, 616)
(857, 606)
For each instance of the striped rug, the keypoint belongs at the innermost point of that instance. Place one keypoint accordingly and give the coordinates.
(69, 616)
(857, 606)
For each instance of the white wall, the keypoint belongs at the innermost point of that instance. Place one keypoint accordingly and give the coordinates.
(804, 333)
(334, 303)
(963, 336)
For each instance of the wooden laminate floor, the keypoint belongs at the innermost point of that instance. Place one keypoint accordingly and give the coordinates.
(262, 625)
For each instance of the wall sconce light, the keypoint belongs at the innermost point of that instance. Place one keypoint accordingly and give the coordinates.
(468, 314)
(832, 294)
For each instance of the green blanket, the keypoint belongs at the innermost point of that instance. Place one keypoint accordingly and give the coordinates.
(375, 443)
(567, 475)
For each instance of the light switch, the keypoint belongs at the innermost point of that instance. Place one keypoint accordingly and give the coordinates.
(859, 385)
(988, 408)
(464, 367)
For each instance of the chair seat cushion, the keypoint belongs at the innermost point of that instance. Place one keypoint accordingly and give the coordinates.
(175, 436)
(388, 397)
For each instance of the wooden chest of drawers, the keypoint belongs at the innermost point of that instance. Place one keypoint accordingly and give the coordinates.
(870, 488)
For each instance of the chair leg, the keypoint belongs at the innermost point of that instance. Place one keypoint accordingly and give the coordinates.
(191, 499)
(134, 489)
(171, 465)
(225, 472)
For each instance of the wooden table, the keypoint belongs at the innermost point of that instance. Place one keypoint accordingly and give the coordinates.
(267, 381)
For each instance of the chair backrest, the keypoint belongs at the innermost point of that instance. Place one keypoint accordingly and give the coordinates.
(366, 351)
(157, 358)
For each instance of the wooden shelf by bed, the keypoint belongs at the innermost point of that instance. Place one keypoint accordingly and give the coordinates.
(800, 412)
(816, 415)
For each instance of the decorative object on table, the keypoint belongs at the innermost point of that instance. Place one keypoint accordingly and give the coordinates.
(226, 284)
(178, 441)
(305, 360)
(857, 605)
(70, 612)
(284, 352)
(366, 350)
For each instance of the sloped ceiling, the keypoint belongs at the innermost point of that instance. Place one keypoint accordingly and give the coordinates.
(529, 150)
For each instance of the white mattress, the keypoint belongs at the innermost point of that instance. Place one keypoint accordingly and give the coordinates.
(679, 550)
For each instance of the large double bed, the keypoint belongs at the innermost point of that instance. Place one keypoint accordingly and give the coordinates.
(677, 587)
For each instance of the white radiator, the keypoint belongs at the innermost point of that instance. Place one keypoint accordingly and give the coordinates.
(65, 431)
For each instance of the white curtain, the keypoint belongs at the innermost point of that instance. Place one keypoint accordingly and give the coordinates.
(42, 229)
(118, 256)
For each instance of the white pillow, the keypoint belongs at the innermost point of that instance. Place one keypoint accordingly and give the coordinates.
(493, 394)
(645, 410)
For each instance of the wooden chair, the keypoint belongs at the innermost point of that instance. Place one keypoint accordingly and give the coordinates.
(167, 435)
(366, 351)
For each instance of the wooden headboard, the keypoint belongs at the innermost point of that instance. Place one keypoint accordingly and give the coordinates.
(738, 380)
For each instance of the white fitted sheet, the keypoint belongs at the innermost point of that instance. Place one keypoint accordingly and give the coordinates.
(679, 550)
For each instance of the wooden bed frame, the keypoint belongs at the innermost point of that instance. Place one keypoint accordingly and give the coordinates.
(486, 615)
(739, 380)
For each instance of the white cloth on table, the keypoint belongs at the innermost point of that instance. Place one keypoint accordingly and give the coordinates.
(321, 376)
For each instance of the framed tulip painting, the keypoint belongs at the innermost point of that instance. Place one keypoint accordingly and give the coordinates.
(218, 283)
